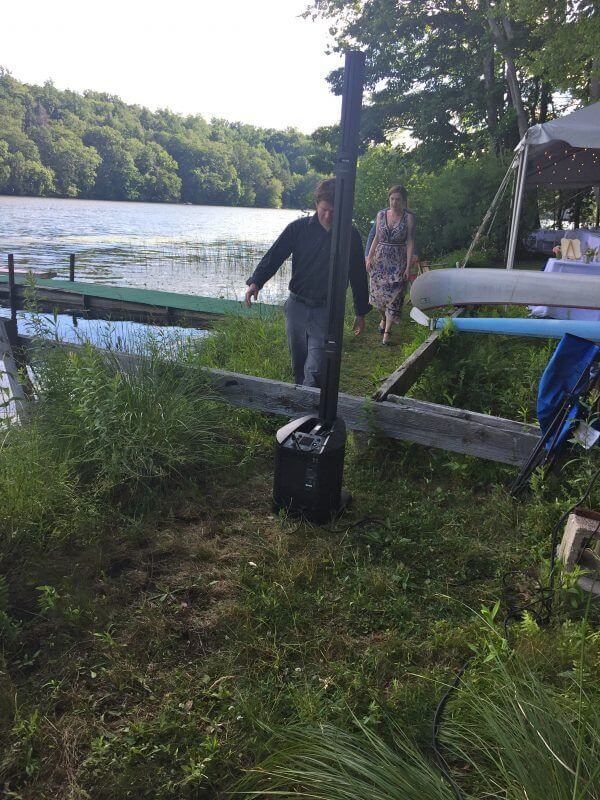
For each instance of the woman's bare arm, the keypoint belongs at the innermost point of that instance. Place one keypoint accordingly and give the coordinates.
(372, 249)
(410, 242)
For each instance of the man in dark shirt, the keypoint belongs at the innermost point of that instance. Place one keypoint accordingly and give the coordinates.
(308, 241)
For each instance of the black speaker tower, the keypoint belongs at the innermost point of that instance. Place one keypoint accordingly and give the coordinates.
(309, 461)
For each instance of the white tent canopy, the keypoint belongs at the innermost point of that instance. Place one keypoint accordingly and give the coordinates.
(563, 153)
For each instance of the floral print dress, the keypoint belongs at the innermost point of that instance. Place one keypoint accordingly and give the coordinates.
(389, 275)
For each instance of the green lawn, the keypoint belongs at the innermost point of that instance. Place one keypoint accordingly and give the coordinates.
(148, 648)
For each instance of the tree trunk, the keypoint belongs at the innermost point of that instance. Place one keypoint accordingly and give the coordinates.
(491, 106)
(503, 37)
(533, 101)
(544, 102)
(595, 80)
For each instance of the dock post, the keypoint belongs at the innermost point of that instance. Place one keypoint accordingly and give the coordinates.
(12, 297)
(72, 267)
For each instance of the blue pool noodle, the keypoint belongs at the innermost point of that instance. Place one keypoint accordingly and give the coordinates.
(540, 328)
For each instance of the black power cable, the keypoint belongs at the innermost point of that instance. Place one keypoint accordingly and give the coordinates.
(437, 722)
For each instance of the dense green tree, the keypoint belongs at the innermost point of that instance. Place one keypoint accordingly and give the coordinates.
(300, 192)
(325, 142)
(28, 177)
(378, 169)
(256, 169)
(94, 145)
(160, 181)
(73, 163)
(214, 179)
(4, 166)
(117, 177)
(465, 74)
(568, 57)
(449, 203)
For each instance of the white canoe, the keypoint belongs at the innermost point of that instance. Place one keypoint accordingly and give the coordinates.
(485, 287)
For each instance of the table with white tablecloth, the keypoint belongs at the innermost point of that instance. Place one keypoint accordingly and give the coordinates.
(542, 241)
(570, 268)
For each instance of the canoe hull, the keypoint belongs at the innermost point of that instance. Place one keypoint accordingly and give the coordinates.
(484, 287)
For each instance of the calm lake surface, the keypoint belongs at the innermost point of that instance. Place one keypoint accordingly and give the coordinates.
(202, 250)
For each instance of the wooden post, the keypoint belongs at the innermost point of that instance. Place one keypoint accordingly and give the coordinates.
(13, 403)
(12, 298)
(72, 279)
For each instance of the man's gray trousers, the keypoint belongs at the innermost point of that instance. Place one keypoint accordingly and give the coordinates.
(306, 328)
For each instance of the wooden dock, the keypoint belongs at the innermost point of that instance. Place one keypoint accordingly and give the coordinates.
(127, 303)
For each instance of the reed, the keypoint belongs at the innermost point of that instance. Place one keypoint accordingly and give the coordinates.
(104, 437)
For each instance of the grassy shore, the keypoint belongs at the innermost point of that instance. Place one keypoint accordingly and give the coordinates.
(160, 624)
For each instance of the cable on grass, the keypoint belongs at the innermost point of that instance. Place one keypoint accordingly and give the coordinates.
(441, 762)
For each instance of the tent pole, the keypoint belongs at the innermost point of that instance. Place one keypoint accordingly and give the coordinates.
(512, 246)
(597, 195)
(513, 208)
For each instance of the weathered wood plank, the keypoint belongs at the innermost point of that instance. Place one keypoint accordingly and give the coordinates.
(13, 403)
(410, 370)
(460, 413)
(422, 423)
(410, 420)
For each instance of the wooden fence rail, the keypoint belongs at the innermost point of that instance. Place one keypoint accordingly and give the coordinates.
(401, 418)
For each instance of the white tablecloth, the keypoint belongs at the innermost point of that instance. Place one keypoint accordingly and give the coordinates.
(572, 268)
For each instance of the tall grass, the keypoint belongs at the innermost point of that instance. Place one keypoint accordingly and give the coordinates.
(39, 491)
(105, 433)
(127, 425)
(525, 738)
(254, 347)
(508, 734)
(327, 763)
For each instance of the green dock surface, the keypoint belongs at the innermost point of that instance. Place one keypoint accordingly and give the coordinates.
(149, 297)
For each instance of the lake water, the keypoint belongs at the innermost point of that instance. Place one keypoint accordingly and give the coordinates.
(202, 250)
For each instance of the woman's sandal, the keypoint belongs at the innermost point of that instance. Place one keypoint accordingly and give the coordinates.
(381, 328)
(386, 339)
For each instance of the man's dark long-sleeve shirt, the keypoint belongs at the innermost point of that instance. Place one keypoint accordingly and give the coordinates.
(309, 244)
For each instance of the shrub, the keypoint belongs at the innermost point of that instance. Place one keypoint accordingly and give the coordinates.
(449, 204)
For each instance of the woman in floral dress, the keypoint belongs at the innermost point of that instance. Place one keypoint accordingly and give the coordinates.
(390, 253)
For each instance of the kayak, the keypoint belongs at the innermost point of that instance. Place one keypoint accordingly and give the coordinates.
(485, 287)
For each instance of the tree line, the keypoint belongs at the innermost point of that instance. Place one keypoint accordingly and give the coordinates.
(466, 78)
(467, 75)
(93, 145)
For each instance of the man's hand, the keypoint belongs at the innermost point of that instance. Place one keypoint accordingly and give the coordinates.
(359, 325)
(251, 292)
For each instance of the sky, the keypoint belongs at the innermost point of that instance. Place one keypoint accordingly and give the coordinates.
(253, 61)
